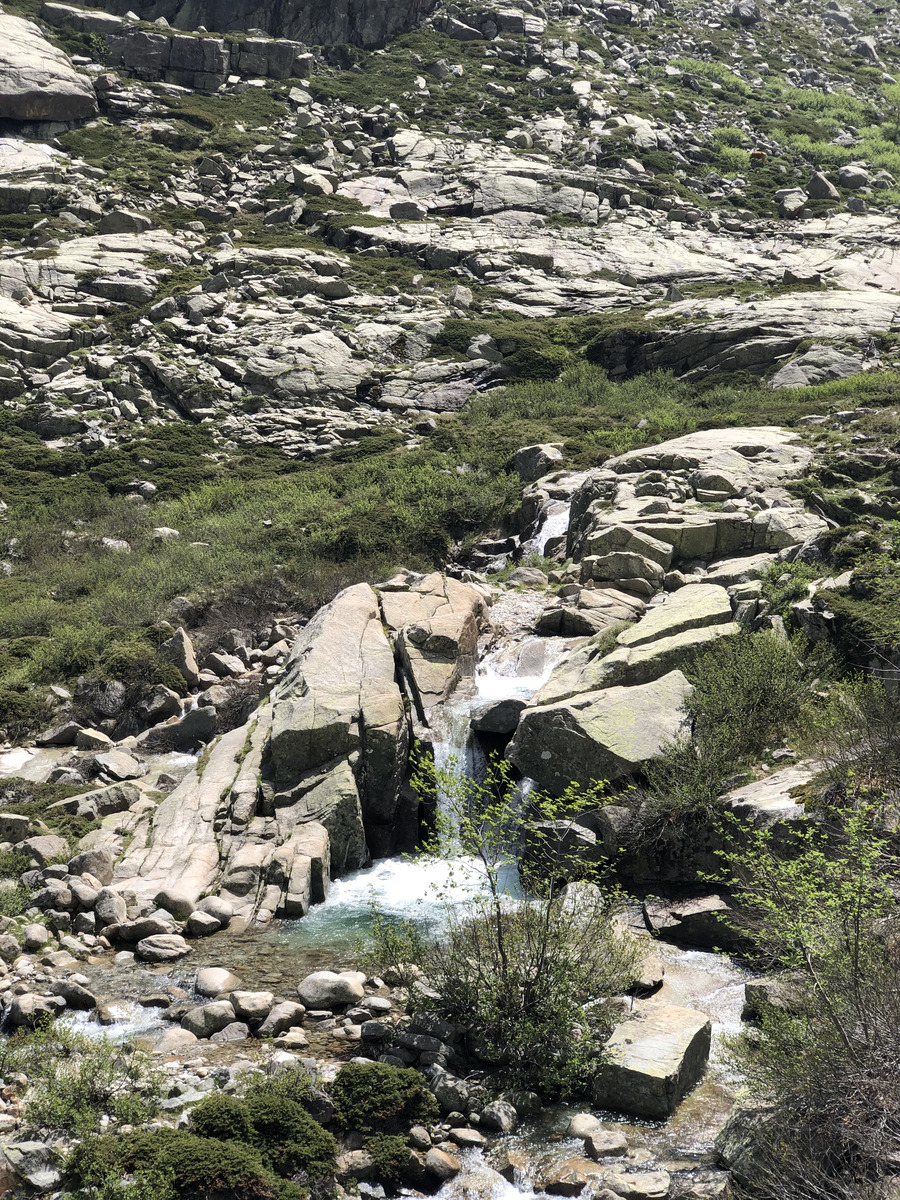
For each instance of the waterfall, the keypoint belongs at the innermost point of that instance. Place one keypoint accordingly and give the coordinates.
(555, 524)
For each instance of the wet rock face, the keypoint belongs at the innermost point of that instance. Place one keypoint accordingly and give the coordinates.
(319, 23)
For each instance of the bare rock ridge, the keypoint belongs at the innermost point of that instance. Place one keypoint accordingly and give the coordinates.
(317, 22)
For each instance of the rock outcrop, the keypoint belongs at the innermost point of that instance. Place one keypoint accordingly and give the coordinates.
(601, 735)
(38, 83)
(318, 23)
(312, 786)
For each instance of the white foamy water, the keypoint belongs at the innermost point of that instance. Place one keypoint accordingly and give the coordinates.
(555, 525)
(132, 1020)
(498, 676)
(477, 1181)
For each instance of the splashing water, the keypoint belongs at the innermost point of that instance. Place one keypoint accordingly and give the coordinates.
(555, 525)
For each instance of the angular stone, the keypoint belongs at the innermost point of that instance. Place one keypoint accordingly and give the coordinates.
(98, 863)
(601, 1144)
(45, 848)
(283, 1016)
(653, 1060)
(208, 1019)
(692, 607)
(602, 735)
(179, 650)
(532, 462)
(627, 667)
(252, 1006)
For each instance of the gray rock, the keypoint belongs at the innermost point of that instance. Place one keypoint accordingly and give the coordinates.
(820, 187)
(652, 1060)
(45, 848)
(281, 1018)
(534, 461)
(326, 989)
(174, 1040)
(35, 1162)
(201, 924)
(497, 716)
(237, 1031)
(817, 365)
(37, 81)
(162, 948)
(499, 1116)
(28, 1009)
(35, 937)
(110, 908)
(601, 735)
(253, 1007)
(179, 650)
(208, 1019)
(177, 903)
(216, 906)
(211, 981)
(119, 765)
(98, 862)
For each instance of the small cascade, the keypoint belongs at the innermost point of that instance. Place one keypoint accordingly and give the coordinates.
(555, 524)
(131, 1020)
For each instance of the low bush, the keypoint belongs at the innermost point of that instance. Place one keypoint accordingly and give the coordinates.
(76, 1080)
(378, 1098)
(223, 1117)
(192, 1167)
(20, 711)
(290, 1141)
(390, 1154)
(748, 690)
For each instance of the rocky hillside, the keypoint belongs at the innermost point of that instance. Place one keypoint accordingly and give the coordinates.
(451, 384)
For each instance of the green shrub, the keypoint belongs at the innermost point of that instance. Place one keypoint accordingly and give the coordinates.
(76, 1079)
(391, 1156)
(223, 1117)
(21, 712)
(197, 1168)
(282, 1083)
(289, 1139)
(748, 690)
(378, 1098)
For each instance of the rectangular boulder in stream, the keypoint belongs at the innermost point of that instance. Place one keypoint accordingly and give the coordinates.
(653, 1060)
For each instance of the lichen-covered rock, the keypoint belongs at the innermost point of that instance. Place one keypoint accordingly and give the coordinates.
(601, 735)
(652, 1060)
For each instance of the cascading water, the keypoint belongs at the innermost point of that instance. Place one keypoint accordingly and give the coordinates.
(555, 524)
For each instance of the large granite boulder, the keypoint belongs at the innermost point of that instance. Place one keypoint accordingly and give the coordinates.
(339, 697)
(602, 735)
(37, 81)
(652, 1060)
(436, 621)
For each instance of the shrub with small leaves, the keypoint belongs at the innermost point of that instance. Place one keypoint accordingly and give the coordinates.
(378, 1098)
